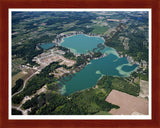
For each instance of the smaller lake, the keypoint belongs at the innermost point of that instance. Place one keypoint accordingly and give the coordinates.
(47, 46)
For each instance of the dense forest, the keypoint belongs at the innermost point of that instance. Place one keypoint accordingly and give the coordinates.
(16, 112)
(79, 103)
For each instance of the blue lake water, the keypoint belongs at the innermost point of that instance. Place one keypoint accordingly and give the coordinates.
(47, 46)
(81, 43)
(111, 64)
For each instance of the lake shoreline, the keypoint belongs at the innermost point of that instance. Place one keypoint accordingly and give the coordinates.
(107, 64)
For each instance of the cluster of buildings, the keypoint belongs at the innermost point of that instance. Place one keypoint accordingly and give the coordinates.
(60, 72)
(142, 64)
(125, 42)
(53, 55)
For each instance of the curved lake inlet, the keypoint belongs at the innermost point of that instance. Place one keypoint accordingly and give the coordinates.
(111, 64)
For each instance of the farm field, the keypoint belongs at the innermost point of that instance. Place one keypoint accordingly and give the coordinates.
(128, 104)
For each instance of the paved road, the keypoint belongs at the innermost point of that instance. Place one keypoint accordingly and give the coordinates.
(24, 84)
(24, 112)
(18, 108)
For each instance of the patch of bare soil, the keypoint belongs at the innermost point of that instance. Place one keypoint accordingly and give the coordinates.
(144, 89)
(128, 104)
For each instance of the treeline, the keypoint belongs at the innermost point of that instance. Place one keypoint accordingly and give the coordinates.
(83, 59)
(18, 86)
(118, 83)
(63, 48)
(86, 102)
(80, 61)
(68, 54)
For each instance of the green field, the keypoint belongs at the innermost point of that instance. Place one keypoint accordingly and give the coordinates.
(16, 77)
(120, 84)
(103, 113)
(99, 29)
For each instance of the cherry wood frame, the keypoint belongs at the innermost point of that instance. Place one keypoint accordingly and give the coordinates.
(6, 4)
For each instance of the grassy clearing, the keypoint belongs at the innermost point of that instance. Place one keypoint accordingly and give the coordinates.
(16, 77)
(107, 83)
(99, 29)
(122, 85)
(15, 65)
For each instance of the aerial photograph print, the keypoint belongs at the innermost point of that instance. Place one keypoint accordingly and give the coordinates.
(79, 63)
